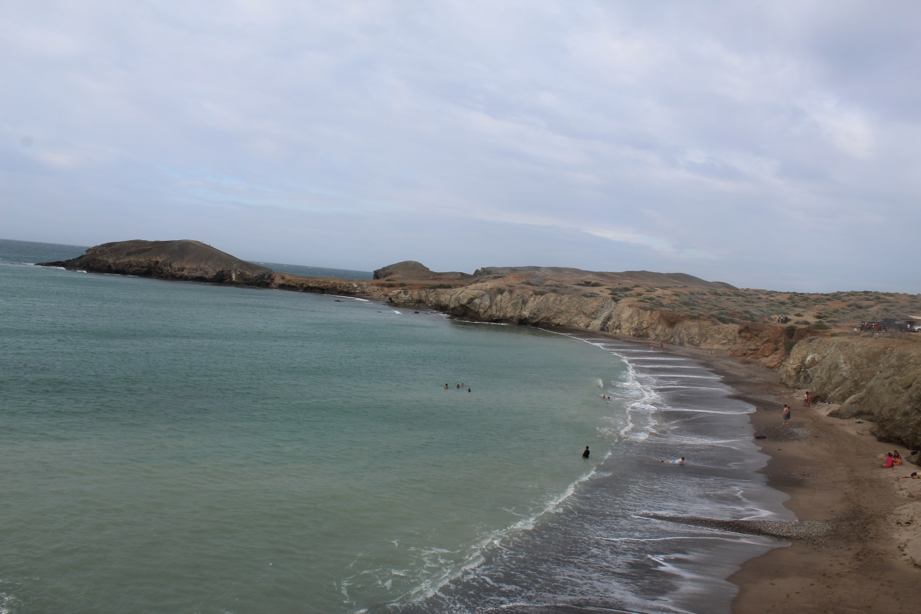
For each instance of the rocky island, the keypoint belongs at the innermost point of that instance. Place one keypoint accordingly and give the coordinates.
(183, 260)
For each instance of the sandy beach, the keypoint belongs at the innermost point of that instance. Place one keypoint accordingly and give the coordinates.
(862, 557)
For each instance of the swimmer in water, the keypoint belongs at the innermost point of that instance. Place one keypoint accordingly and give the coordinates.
(677, 461)
(586, 453)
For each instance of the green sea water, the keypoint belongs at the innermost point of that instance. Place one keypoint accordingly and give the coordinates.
(178, 447)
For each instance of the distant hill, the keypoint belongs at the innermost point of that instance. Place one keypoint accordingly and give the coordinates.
(184, 260)
(661, 280)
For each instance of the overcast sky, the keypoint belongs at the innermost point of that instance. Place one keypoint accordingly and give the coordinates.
(770, 144)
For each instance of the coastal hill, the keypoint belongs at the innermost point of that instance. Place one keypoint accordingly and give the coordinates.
(815, 341)
(184, 260)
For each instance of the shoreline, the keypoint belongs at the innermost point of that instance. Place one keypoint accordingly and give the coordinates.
(855, 545)
(831, 470)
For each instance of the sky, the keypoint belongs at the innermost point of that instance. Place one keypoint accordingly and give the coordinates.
(768, 144)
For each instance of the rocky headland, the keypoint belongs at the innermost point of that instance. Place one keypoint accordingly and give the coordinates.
(872, 376)
(182, 260)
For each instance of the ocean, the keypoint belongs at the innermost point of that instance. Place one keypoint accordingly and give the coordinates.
(180, 447)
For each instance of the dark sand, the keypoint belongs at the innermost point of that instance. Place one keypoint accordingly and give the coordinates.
(859, 536)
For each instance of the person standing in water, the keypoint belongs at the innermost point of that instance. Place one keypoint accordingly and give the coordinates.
(586, 453)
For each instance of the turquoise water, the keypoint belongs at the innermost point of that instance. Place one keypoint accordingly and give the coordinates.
(192, 448)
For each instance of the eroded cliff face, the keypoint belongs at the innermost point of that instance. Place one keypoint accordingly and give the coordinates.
(476, 302)
(874, 378)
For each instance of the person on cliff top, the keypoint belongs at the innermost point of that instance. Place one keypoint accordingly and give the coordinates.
(786, 415)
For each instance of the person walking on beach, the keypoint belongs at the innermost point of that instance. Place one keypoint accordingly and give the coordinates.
(807, 399)
(586, 453)
(786, 415)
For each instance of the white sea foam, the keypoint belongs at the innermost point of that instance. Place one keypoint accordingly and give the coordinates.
(482, 323)
(670, 367)
(685, 376)
(354, 298)
(667, 538)
(660, 358)
(430, 588)
(700, 410)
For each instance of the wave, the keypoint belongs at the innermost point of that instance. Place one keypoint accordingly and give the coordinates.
(354, 298)
(430, 588)
(481, 323)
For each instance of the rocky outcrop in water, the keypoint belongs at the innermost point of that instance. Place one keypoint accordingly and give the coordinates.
(184, 260)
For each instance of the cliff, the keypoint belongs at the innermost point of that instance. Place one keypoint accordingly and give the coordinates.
(175, 260)
(878, 379)
(525, 306)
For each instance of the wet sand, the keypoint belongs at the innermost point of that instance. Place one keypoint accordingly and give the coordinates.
(857, 524)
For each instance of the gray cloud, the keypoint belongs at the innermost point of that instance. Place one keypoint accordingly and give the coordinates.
(765, 144)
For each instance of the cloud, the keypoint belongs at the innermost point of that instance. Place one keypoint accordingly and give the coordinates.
(718, 140)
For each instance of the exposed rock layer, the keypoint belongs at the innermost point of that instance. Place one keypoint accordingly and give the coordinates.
(877, 379)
